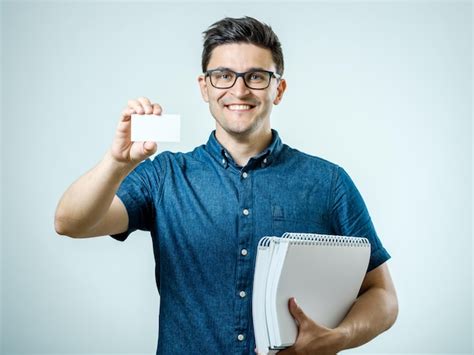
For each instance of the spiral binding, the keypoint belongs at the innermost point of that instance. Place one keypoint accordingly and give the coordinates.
(316, 239)
(326, 240)
(264, 242)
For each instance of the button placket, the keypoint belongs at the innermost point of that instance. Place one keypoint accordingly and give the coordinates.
(244, 266)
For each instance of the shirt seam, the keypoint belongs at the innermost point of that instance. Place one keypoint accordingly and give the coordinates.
(161, 191)
(331, 195)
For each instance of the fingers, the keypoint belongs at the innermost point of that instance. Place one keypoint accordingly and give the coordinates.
(146, 106)
(157, 109)
(127, 114)
(149, 148)
(296, 312)
(141, 106)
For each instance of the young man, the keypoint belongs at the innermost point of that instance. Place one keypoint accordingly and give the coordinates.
(207, 209)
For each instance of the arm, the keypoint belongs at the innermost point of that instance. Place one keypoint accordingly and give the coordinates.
(373, 312)
(89, 207)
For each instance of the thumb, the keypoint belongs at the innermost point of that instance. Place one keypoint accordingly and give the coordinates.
(149, 148)
(297, 312)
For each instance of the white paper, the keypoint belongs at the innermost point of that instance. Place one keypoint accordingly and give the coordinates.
(156, 128)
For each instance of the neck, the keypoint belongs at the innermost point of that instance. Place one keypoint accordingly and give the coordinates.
(244, 147)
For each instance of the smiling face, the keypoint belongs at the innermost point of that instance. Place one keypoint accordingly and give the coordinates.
(240, 112)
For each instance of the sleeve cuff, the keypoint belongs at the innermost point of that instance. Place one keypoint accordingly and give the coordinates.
(377, 258)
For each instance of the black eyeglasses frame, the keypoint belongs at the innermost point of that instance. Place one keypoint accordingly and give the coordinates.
(238, 75)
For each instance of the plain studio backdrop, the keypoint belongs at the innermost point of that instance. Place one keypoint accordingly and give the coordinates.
(381, 88)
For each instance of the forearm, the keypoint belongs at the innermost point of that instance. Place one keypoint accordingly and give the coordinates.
(374, 312)
(87, 200)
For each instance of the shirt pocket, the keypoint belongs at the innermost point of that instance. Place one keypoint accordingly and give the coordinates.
(298, 219)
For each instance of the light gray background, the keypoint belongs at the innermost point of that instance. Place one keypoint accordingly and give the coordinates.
(383, 89)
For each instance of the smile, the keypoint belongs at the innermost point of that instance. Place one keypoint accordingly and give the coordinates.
(239, 107)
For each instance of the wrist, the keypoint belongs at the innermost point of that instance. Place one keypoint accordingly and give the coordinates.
(116, 168)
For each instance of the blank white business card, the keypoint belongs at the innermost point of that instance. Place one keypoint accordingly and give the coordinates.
(156, 128)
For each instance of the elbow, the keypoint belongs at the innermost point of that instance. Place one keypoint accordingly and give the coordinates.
(63, 227)
(392, 311)
(60, 222)
(395, 311)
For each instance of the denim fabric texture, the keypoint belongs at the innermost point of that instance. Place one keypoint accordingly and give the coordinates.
(206, 215)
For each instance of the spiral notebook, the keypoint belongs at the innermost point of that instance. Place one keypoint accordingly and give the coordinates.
(323, 272)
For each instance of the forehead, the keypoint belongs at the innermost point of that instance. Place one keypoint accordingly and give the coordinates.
(241, 57)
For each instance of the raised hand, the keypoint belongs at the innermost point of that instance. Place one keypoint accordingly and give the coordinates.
(123, 150)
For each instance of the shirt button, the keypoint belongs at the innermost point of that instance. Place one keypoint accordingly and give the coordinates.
(246, 212)
(244, 252)
(265, 160)
(245, 175)
(242, 294)
(240, 337)
(223, 161)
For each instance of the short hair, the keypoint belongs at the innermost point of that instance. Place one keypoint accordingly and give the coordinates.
(242, 30)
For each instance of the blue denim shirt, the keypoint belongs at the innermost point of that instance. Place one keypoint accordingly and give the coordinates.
(206, 215)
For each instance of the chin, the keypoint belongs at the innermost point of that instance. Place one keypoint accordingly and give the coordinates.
(237, 125)
(240, 130)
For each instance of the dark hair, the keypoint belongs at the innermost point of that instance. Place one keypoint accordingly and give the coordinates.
(245, 29)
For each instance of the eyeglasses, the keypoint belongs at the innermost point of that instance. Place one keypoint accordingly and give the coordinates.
(223, 78)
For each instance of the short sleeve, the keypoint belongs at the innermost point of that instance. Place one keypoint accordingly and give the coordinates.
(350, 217)
(136, 192)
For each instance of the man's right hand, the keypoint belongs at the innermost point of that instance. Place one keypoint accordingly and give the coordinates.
(123, 150)
(89, 207)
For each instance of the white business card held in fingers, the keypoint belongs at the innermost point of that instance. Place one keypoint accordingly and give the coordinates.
(156, 128)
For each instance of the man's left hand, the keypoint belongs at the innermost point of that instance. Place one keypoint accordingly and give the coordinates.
(313, 338)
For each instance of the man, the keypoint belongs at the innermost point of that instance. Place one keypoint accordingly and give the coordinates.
(207, 209)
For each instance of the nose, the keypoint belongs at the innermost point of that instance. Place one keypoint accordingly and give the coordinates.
(239, 88)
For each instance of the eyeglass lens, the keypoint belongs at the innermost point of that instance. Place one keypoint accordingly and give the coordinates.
(226, 79)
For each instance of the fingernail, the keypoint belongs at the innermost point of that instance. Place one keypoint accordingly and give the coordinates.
(296, 303)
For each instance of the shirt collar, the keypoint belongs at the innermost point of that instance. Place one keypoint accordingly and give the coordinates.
(264, 158)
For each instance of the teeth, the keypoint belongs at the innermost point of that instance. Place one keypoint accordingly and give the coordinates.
(239, 107)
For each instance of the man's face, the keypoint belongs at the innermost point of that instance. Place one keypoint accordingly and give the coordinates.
(226, 104)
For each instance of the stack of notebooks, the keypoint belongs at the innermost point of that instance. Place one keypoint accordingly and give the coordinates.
(323, 272)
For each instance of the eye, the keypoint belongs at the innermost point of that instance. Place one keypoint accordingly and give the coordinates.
(257, 76)
(223, 75)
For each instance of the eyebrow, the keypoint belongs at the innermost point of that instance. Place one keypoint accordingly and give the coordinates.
(251, 69)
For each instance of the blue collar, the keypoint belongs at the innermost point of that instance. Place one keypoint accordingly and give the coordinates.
(263, 159)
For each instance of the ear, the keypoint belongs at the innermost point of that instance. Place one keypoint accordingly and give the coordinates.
(280, 91)
(203, 86)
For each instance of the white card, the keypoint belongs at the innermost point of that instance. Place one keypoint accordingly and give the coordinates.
(154, 128)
